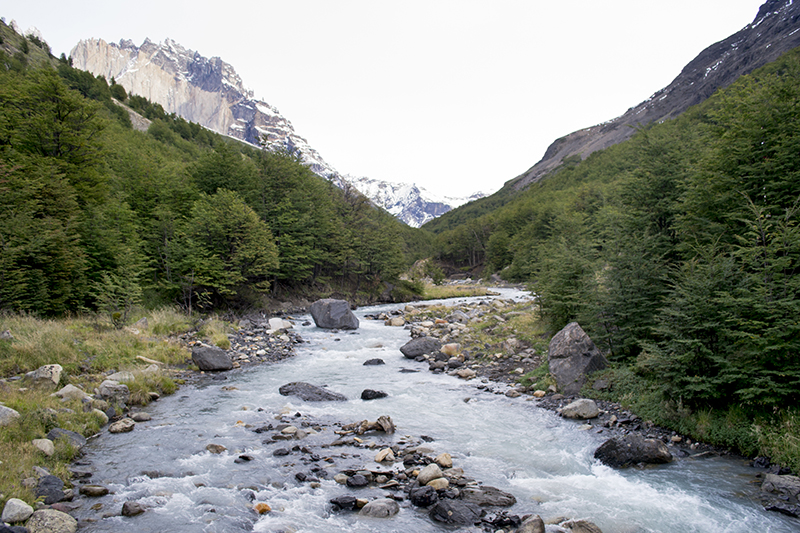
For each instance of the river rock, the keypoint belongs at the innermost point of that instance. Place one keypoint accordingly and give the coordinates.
(50, 488)
(7, 415)
(125, 425)
(440, 483)
(344, 502)
(450, 350)
(374, 362)
(357, 480)
(532, 524)
(396, 321)
(124, 376)
(423, 496)
(71, 392)
(626, 450)
(369, 394)
(430, 472)
(385, 454)
(132, 508)
(46, 376)
(486, 495)
(573, 356)
(211, 359)
(276, 324)
(94, 491)
(45, 446)
(454, 512)
(420, 346)
(583, 408)
(444, 460)
(114, 392)
(467, 373)
(310, 393)
(581, 526)
(74, 439)
(16, 511)
(333, 314)
(51, 521)
(141, 416)
(380, 508)
(782, 494)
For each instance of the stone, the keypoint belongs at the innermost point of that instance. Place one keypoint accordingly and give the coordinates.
(781, 494)
(329, 313)
(451, 349)
(439, 483)
(380, 508)
(444, 460)
(466, 373)
(581, 526)
(141, 417)
(310, 393)
(211, 359)
(71, 392)
(485, 495)
(51, 521)
(101, 415)
(430, 472)
(583, 408)
(7, 415)
(396, 321)
(627, 450)
(454, 512)
(122, 426)
(132, 508)
(45, 446)
(374, 362)
(532, 524)
(93, 491)
(74, 439)
(420, 346)
(122, 377)
(262, 508)
(344, 502)
(50, 488)
(539, 394)
(216, 448)
(277, 324)
(572, 357)
(46, 376)
(358, 480)
(114, 392)
(369, 394)
(423, 496)
(16, 511)
(385, 454)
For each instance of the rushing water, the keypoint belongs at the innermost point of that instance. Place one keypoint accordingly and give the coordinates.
(545, 461)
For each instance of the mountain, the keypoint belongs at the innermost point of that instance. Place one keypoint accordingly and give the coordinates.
(211, 93)
(773, 32)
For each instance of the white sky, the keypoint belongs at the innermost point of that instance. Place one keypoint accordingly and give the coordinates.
(454, 95)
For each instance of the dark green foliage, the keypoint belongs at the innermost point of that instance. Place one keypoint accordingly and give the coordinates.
(118, 92)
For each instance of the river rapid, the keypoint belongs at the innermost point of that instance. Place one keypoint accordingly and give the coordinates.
(511, 444)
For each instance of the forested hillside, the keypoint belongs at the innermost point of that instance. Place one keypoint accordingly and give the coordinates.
(95, 215)
(678, 250)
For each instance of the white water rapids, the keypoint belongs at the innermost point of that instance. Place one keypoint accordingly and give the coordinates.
(545, 461)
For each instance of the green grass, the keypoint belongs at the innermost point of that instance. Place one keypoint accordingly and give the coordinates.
(437, 292)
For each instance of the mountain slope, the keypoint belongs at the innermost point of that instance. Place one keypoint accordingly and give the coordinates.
(211, 93)
(773, 32)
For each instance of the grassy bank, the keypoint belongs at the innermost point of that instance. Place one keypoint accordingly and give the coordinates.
(88, 349)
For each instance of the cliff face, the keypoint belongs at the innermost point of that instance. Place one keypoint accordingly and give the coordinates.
(211, 93)
(773, 32)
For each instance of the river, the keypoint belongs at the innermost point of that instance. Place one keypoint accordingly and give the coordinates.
(545, 461)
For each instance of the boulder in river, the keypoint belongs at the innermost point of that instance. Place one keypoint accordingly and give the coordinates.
(456, 512)
(627, 450)
(380, 508)
(573, 356)
(310, 393)
(369, 394)
(781, 494)
(420, 346)
(486, 495)
(211, 358)
(329, 313)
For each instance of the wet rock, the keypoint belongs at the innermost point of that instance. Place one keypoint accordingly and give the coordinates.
(344, 502)
(781, 494)
(582, 409)
(453, 512)
(211, 358)
(74, 439)
(51, 521)
(16, 511)
(430, 472)
(627, 450)
(486, 495)
(329, 313)
(532, 524)
(45, 446)
(122, 426)
(420, 346)
(380, 508)
(580, 526)
(94, 491)
(51, 489)
(281, 452)
(357, 481)
(444, 460)
(573, 356)
(374, 362)
(7, 415)
(262, 508)
(310, 393)
(141, 417)
(369, 394)
(423, 496)
(132, 508)
(385, 454)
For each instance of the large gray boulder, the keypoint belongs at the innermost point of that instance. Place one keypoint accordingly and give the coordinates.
(211, 358)
(7, 415)
(420, 346)
(310, 393)
(333, 314)
(16, 511)
(781, 494)
(47, 376)
(51, 521)
(456, 512)
(484, 495)
(583, 408)
(573, 356)
(628, 450)
(380, 508)
(113, 392)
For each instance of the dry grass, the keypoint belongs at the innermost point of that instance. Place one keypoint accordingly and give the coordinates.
(436, 292)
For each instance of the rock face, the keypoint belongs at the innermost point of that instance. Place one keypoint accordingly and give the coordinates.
(781, 494)
(573, 356)
(211, 359)
(420, 346)
(310, 393)
(628, 450)
(329, 313)
(773, 32)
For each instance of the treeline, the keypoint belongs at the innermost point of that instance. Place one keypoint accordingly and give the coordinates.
(95, 215)
(678, 250)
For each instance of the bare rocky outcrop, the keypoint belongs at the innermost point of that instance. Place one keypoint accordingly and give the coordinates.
(573, 356)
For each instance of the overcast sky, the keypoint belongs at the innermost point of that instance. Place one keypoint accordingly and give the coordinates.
(454, 95)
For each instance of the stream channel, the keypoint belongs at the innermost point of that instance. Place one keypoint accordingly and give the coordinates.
(511, 444)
